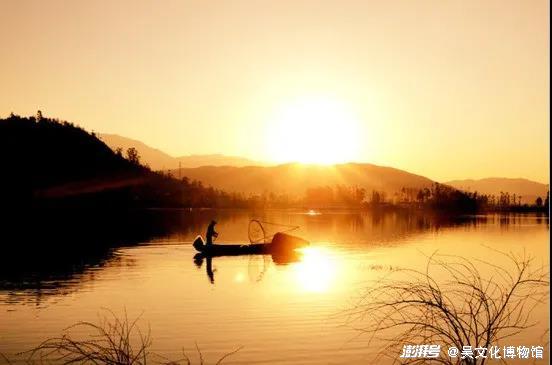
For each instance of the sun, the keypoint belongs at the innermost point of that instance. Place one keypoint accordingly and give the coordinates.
(317, 130)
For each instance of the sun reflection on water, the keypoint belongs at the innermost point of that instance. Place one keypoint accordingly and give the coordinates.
(317, 270)
(239, 277)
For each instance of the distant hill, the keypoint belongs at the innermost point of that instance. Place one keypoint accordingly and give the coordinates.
(41, 154)
(527, 189)
(159, 160)
(49, 160)
(155, 158)
(216, 160)
(294, 179)
(51, 163)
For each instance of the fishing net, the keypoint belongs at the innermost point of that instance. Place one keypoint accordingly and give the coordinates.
(262, 232)
(256, 232)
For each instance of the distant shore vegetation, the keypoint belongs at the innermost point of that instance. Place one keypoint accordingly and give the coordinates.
(54, 163)
(438, 197)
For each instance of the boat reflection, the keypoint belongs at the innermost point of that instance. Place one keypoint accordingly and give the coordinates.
(280, 258)
(314, 269)
(198, 260)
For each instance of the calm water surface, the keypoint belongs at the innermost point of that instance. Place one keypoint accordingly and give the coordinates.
(287, 312)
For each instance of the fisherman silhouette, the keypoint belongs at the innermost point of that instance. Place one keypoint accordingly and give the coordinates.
(211, 233)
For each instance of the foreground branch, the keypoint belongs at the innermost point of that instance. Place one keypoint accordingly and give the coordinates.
(465, 308)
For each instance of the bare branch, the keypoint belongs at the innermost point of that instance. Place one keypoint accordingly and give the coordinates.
(463, 308)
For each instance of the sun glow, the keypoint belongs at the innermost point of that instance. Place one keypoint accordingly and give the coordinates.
(317, 270)
(315, 130)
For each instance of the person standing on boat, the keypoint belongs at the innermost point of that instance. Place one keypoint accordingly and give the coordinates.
(211, 233)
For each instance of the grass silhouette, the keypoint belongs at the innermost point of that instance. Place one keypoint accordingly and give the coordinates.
(462, 308)
(113, 340)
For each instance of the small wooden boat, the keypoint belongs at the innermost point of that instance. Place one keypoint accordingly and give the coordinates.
(232, 250)
(281, 243)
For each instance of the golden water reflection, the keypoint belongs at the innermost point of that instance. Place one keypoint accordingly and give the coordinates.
(317, 271)
(261, 302)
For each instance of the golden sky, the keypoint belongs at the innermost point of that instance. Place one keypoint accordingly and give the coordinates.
(445, 89)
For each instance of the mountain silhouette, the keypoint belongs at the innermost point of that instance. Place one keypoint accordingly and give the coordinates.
(47, 161)
(527, 189)
(294, 178)
(241, 175)
(159, 160)
(52, 163)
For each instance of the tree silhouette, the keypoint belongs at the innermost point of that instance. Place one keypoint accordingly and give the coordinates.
(133, 155)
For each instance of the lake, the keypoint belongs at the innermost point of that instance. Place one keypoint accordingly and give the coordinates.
(285, 312)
